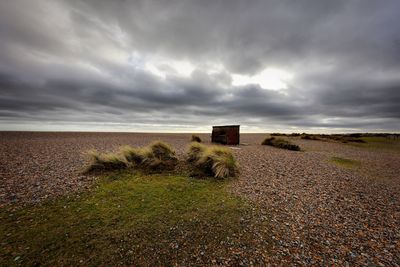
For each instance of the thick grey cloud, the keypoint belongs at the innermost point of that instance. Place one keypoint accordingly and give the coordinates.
(182, 65)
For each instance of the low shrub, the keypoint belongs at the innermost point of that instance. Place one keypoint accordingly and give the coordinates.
(267, 141)
(309, 137)
(355, 140)
(105, 161)
(215, 161)
(278, 134)
(196, 138)
(280, 143)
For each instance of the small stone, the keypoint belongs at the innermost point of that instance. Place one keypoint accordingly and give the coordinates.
(352, 254)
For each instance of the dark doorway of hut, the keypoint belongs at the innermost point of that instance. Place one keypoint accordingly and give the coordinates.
(226, 135)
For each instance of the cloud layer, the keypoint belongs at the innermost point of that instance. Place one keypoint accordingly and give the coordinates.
(186, 65)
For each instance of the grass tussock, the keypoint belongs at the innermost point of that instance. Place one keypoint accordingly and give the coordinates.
(195, 150)
(215, 161)
(196, 138)
(160, 156)
(280, 143)
(156, 157)
(105, 162)
(135, 156)
(162, 151)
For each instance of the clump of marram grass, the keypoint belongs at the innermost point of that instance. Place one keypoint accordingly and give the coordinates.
(224, 167)
(157, 156)
(194, 151)
(162, 151)
(196, 138)
(280, 143)
(105, 162)
(160, 156)
(215, 161)
(135, 156)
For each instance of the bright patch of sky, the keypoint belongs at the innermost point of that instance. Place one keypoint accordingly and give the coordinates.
(270, 78)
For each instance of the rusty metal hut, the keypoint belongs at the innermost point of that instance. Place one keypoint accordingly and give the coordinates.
(227, 135)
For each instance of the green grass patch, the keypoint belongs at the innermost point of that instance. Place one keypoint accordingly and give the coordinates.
(378, 143)
(130, 220)
(381, 143)
(349, 163)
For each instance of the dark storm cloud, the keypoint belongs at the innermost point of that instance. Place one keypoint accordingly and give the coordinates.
(179, 63)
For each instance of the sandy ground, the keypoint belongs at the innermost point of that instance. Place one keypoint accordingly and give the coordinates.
(320, 213)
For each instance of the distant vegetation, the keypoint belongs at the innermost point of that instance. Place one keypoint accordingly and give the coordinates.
(343, 138)
(280, 143)
(386, 141)
(278, 134)
(310, 137)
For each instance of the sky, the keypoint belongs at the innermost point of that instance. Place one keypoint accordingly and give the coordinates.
(183, 66)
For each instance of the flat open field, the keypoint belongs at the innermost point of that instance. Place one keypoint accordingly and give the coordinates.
(330, 203)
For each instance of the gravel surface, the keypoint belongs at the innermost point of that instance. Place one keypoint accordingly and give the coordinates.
(35, 166)
(323, 214)
(320, 213)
